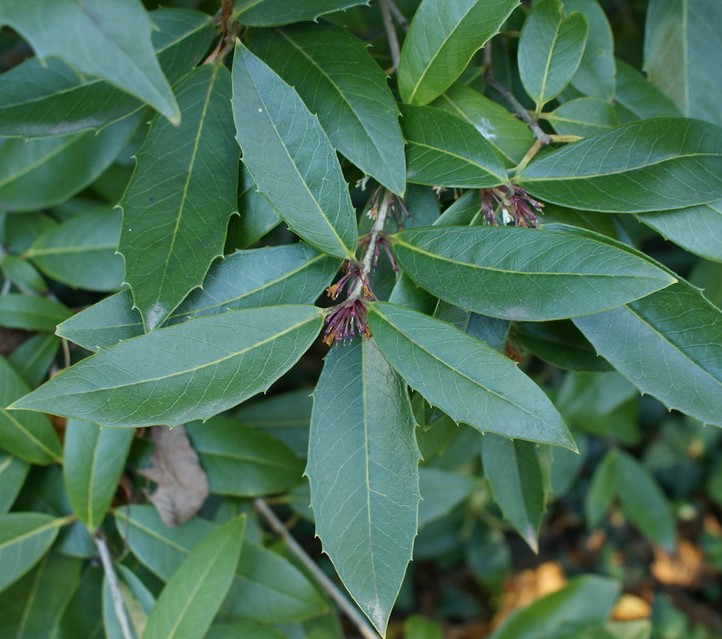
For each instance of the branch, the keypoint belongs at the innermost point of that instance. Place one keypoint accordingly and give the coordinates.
(367, 263)
(390, 34)
(113, 586)
(367, 632)
(398, 16)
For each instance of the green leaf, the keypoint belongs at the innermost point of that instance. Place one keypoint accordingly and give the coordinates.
(83, 615)
(82, 252)
(192, 596)
(639, 96)
(275, 13)
(679, 39)
(26, 435)
(138, 603)
(93, 462)
(668, 346)
(696, 228)
(242, 461)
(24, 539)
(518, 483)
(47, 98)
(31, 607)
(443, 150)
(523, 274)
(584, 117)
(190, 371)
(291, 158)
(443, 36)
(31, 313)
(363, 470)
(267, 588)
(258, 216)
(584, 599)
(508, 135)
(418, 627)
(464, 377)
(561, 344)
(644, 503)
(183, 190)
(291, 274)
(357, 110)
(13, 472)
(103, 324)
(246, 630)
(441, 492)
(36, 174)
(23, 275)
(602, 489)
(550, 50)
(649, 165)
(117, 30)
(595, 76)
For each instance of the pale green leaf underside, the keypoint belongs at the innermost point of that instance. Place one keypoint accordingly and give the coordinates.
(523, 274)
(189, 371)
(363, 471)
(291, 158)
(109, 39)
(649, 165)
(465, 377)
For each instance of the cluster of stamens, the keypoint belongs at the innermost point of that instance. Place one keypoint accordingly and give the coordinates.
(346, 320)
(511, 204)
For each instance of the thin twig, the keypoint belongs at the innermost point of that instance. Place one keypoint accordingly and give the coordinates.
(398, 16)
(521, 111)
(375, 233)
(367, 632)
(120, 613)
(390, 34)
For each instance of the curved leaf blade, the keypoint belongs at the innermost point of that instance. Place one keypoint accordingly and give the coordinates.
(267, 587)
(550, 50)
(92, 464)
(120, 29)
(24, 539)
(182, 372)
(443, 150)
(357, 110)
(649, 165)
(523, 274)
(442, 38)
(36, 174)
(31, 313)
(465, 377)
(48, 98)
(363, 470)
(26, 435)
(668, 345)
(276, 13)
(584, 117)
(183, 190)
(291, 158)
(290, 274)
(13, 472)
(192, 596)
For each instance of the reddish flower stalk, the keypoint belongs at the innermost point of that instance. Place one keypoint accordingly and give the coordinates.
(514, 203)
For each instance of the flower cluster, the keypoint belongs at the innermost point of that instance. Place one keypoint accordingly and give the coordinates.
(512, 204)
(346, 320)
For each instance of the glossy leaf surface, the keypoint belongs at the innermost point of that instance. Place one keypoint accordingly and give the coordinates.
(340, 82)
(13, 472)
(366, 507)
(443, 36)
(93, 462)
(120, 29)
(180, 197)
(183, 372)
(443, 150)
(650, 165)
(523, 274)
(466, 378)
(550, 50)
(274, 13)
(290, 157)
(192, 596)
